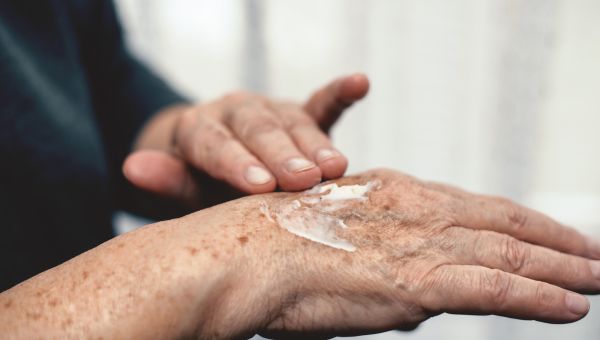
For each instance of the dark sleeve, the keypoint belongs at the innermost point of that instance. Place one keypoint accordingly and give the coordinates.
(124, 92)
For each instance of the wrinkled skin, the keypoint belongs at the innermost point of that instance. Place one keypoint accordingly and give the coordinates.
(424, 249)
(231, 272)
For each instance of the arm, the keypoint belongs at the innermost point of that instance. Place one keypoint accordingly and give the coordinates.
(411, 250)
(165, 280)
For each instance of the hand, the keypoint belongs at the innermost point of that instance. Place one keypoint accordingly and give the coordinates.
(248, 141)
(421, 249)
(231, 271)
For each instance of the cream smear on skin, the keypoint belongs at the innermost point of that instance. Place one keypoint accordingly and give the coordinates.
(313, 215)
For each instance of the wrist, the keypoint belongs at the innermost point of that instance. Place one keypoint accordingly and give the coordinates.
(246, 254)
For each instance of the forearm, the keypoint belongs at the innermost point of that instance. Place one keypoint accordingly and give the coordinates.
(166, 280)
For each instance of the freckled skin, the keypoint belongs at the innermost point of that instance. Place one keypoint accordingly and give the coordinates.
(243, 240)
(7, 304)
(227, 272)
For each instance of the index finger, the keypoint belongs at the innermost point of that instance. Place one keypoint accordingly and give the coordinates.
(327, 104)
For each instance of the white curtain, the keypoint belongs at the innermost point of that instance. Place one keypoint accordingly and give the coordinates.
(497, 96)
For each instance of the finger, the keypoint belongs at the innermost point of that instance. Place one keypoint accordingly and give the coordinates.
(500, 251)
(327, 104)
(262, 132)
(504, 216)
(212, 148)
(161, 173)
(313, 143)
(479, 290)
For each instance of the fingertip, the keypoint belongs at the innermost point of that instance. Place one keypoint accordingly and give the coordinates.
(300, 180)
(138, 167)
(577, 304)
(355, 87)
(257, 180)
(332, 163)
(155, 171)
(253, 189)
(130, 168)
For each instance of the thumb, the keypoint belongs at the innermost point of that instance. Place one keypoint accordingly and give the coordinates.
(327, 104)
(161, 173)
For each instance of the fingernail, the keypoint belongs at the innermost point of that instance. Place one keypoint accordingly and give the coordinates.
(299, 164)
(325, 154)
(257, 175)
(577, 304)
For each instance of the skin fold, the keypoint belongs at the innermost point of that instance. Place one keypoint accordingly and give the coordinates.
(229, 272)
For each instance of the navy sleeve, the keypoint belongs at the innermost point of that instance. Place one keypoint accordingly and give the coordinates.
(125, 93)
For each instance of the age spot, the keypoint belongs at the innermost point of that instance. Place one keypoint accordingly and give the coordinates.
(33, 315)
(67, 322)
(243, 240)
(8, 303)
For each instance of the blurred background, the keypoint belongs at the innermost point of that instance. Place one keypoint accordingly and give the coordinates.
(496, 96)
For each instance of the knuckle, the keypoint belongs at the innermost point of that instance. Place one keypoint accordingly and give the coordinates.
(424, 284)
(185, 126)
(222, 160)
(209, 142)
(304, 128)
(215, 133)
(446, 205)
(495, 287)
(264, 124)
(543, 296)
(514, 215)
(294, 116)
(514, 254)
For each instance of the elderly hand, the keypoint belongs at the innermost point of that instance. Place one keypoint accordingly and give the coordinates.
(409, 250)
(248, 141)
(422, 249)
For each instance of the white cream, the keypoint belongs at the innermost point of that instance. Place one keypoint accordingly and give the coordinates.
(306, 222)
(346, 192)
(313, 215)
(264, 209)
